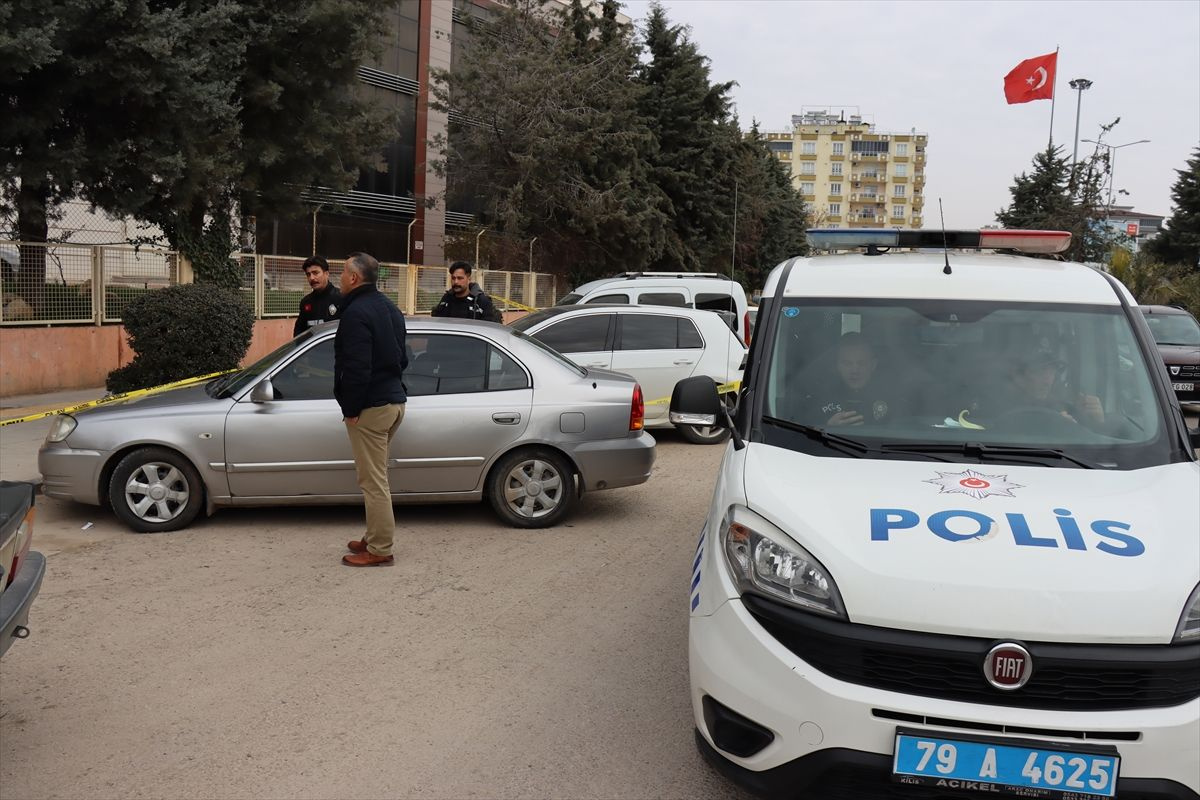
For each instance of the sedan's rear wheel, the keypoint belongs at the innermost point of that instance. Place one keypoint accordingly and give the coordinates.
(155, 490)
(532, 488)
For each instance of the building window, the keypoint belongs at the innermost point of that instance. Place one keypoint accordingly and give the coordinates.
(898, 191)
(869, 147)
(839, 148)
(835, 209)
(901, 170)
(808, 148)
(835, 188)
(808, 168)
(898, 212)
(901, 148)
(833, 225)
(806, 188)
(836, 168)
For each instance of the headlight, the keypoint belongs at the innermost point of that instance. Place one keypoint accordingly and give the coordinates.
(1188, 629)
(61, 429)
(762, 558)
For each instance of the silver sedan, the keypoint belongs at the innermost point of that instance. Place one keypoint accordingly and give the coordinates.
(491, 414)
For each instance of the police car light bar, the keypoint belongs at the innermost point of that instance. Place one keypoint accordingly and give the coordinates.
(1021, 241)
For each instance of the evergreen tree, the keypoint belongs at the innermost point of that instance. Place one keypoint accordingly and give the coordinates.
(771, 215)
(1179, 241)
(1041, 198)
(554, 146)
(692, 162)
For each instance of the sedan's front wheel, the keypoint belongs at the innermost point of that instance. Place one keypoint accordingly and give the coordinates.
(155, 490)
(532, 488)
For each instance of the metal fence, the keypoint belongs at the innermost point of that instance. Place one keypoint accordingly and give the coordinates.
(91, 284)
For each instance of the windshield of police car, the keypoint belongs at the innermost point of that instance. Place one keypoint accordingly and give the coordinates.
(894, 373)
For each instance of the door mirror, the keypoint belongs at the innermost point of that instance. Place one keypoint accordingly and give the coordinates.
(695, 402)
(264, 392)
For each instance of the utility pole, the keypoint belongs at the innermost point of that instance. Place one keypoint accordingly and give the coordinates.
(1080, 85)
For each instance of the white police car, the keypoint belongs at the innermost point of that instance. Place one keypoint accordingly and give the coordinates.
(954, 547)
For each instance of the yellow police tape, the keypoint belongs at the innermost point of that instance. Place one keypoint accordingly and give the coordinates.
(722, 388)
(507, 301)
(114, 397)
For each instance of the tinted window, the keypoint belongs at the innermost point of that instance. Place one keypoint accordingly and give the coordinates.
(569, 300)
(307, 377)
(662, 299)
(578, 335)
(443, 364)
(619, 299)
(715, 302)
(648, 332)
(504, 373)
(689, 337)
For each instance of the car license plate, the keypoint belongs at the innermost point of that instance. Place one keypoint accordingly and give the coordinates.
(1183, 387)
(1022, 767)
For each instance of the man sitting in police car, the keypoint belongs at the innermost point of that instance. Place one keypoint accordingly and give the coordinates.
(855, 398)
(465, 300)
(1035, 382)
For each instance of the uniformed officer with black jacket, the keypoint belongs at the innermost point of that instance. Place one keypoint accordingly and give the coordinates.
(321, 304)
(465, 300)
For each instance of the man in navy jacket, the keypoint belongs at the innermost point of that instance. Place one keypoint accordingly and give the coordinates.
(368, 363)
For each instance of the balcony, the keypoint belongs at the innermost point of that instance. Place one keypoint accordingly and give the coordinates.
(899, 179)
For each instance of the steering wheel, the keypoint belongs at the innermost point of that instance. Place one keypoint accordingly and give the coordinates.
(1036, 416)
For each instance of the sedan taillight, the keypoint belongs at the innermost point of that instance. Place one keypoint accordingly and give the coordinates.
(637, 410)
(746, 329)
(24, 539)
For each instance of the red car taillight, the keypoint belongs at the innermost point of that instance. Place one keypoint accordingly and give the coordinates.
(746, 329)
(25, 538)
(637, 410)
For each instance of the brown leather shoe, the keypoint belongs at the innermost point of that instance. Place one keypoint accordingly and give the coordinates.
(368, 560)
(357, 546)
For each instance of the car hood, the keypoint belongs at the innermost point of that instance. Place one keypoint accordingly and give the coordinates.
(150, 403)
(1036, 553)
(1179, 354)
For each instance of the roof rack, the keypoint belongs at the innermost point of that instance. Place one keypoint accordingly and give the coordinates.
(632, 275)
(1023, 241)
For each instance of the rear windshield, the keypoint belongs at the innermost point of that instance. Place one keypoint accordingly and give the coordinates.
(933, 376)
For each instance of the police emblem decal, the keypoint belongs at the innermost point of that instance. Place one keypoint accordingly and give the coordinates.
(332, 309)
(974, 484)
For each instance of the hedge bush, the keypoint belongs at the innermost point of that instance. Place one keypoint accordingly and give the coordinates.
(180, 332)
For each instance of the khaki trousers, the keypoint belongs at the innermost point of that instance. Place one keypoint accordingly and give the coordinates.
(369, 440)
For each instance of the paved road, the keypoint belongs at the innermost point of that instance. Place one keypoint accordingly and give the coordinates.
(239, 659)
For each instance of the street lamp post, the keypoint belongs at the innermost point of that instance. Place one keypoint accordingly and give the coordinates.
(1112, 166)
(481, 233)
(1080, 85)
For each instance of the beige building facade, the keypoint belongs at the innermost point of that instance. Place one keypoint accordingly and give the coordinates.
(852, 175)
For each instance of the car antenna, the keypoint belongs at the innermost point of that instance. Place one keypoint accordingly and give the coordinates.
(945, 246)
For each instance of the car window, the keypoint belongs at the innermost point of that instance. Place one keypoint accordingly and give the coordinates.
(675, 299)
(309, 376)
(504, 372)
(1174, 329)
(618, 299)
(446, 364)
(569, 299)
(689, 337)
(649, 332)
(586, 334)
(715, 302)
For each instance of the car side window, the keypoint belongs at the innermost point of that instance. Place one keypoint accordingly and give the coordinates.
(715, 302)
(675, 299)
(309, 376)
(586, 334)
(619, 299)
(504, 372)
(649, 332)
(689, 337)
(447, 364)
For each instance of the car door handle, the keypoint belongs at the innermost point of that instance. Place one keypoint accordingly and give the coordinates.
(596, 364)
(683, 361)
(506, 417)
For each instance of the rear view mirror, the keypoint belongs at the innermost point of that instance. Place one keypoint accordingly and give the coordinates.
(264, 392)
(695, 402)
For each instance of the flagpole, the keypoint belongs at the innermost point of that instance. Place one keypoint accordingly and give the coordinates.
(1053, 95)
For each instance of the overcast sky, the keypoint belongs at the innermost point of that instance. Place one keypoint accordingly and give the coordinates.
(940, 67)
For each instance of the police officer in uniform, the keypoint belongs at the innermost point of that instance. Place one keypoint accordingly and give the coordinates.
(465, 300)
(321, 304)
(855, 398)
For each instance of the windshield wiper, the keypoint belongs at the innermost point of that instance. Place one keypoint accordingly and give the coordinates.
(844, 443)
(982, 451)
(216, 387)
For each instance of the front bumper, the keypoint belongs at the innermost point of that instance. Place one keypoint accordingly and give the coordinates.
(827, 732)
(610, 463)
(18, 597)
(70, 474)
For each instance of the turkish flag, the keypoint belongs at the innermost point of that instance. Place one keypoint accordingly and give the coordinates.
(1032, 79)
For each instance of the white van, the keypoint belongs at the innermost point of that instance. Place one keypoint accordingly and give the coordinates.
(954, 545)
(703, 290)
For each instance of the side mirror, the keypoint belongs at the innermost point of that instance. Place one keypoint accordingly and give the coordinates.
(264, 392)
(695, 402)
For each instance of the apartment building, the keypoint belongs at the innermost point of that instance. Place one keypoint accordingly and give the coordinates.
(852, 175)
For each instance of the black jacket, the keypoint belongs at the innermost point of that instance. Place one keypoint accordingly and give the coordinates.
(474, 305)
(317, 307)
(369, 356)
